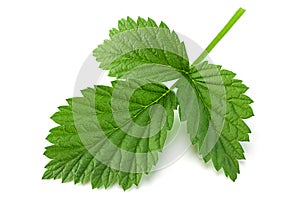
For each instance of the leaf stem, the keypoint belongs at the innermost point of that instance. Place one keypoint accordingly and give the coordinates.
(220, 35)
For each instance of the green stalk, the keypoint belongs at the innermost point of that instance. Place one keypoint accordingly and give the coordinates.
(220, 35)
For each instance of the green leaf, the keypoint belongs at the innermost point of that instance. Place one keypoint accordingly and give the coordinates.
(114, 134)
(143, 44)
(107, 135)
(214, 105)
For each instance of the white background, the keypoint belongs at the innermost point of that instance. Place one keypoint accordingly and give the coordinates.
(44, 43)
